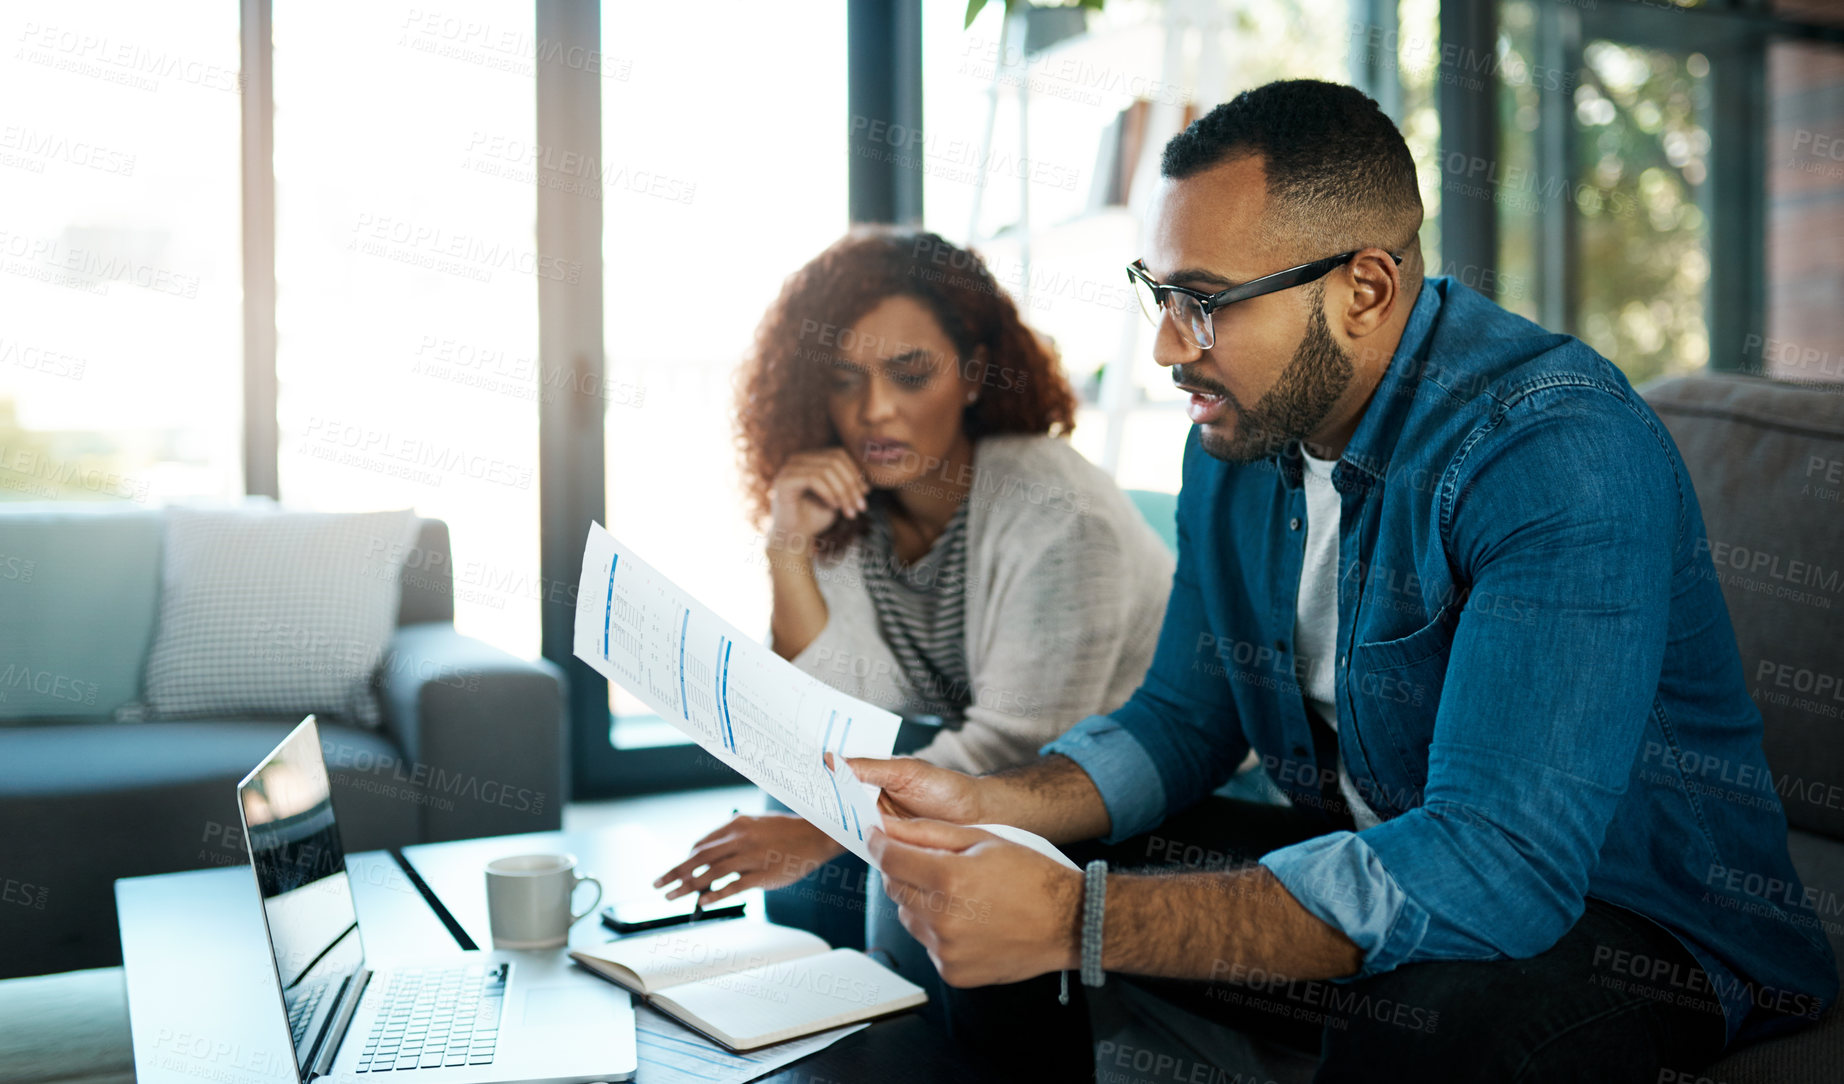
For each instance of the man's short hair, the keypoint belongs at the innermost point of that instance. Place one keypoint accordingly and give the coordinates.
(1339, 174)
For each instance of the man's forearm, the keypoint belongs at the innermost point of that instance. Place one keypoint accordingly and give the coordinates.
(1218, 926)
(1051, 796)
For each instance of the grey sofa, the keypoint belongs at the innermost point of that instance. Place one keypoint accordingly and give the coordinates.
(1767, 459)
(472, 745)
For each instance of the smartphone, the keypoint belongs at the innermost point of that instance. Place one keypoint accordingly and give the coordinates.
(653, 912)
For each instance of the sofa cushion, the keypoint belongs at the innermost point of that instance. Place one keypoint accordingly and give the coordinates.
(104, 800)
(428, 577)
(1820, 862)
(1767, 460)
(1815, 1053)
(268, 612)
(78, 590)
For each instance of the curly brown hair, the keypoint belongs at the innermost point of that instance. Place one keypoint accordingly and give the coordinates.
(781, 389)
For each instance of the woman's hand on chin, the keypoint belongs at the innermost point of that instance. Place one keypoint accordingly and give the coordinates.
(809, 494)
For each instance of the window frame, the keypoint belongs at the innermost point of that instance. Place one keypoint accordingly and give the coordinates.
(1734, 36)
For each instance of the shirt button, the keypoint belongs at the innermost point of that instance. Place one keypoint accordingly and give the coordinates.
(1344, 660)
(1299, 750)
(1293, 524)
(1280, 645)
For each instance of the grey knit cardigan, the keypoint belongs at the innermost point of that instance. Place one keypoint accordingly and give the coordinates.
(1066, 590)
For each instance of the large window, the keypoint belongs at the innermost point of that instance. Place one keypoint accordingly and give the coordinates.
(1662, 185)
(1042, 136)
(1641, 159)
(406, 272)
(119, 269)
(1633, 192)
(723, 170)
(1415, 41)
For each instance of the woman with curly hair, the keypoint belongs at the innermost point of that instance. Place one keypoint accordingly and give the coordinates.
(934, 547)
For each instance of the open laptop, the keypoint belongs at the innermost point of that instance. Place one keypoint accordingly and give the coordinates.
(461, 1018)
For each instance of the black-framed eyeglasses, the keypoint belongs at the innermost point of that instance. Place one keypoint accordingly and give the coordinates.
(1190, 309)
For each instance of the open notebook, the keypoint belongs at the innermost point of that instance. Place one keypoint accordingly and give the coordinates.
(747, 984)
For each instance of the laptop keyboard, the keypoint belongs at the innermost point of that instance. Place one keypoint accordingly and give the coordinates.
(430, 1018)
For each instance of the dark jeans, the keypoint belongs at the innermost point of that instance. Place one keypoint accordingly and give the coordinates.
(1590, 1008)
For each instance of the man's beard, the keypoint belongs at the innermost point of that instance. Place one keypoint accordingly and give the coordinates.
(1295, 406)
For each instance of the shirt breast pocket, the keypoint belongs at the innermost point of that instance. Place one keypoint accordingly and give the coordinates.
(1395, 690)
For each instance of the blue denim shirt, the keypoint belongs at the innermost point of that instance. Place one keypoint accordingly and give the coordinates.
(1531, 641)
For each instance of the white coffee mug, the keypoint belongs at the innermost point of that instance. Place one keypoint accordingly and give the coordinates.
(528, 900)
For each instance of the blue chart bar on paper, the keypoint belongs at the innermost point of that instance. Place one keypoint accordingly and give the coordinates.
(843, 738)
(717, 686)
(825, 745)
(684, 626)
(608, 608)
(723, 698)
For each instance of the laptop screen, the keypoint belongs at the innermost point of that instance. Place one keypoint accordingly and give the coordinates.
(301, 872)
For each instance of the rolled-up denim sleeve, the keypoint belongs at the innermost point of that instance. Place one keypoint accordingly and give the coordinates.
(1542, 706)
(1121, 770)
(1179, 735)
(1342, 883)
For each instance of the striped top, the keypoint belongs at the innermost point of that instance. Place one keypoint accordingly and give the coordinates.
(1064, 594)
(922, 613)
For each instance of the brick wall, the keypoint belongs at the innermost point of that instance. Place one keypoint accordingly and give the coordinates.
(1804, 339)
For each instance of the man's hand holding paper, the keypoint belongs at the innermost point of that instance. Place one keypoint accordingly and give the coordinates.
(909, 787)
(991, 904)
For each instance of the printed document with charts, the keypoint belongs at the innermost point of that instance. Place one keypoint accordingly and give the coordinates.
(747, 706)
(745, 984)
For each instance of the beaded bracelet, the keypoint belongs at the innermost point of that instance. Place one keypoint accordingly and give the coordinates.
(1094, 902)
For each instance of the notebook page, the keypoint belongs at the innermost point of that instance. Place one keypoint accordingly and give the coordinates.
(681, 954)
(793, 997)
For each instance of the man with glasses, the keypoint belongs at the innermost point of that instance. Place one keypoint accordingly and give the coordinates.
(1442, 574)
